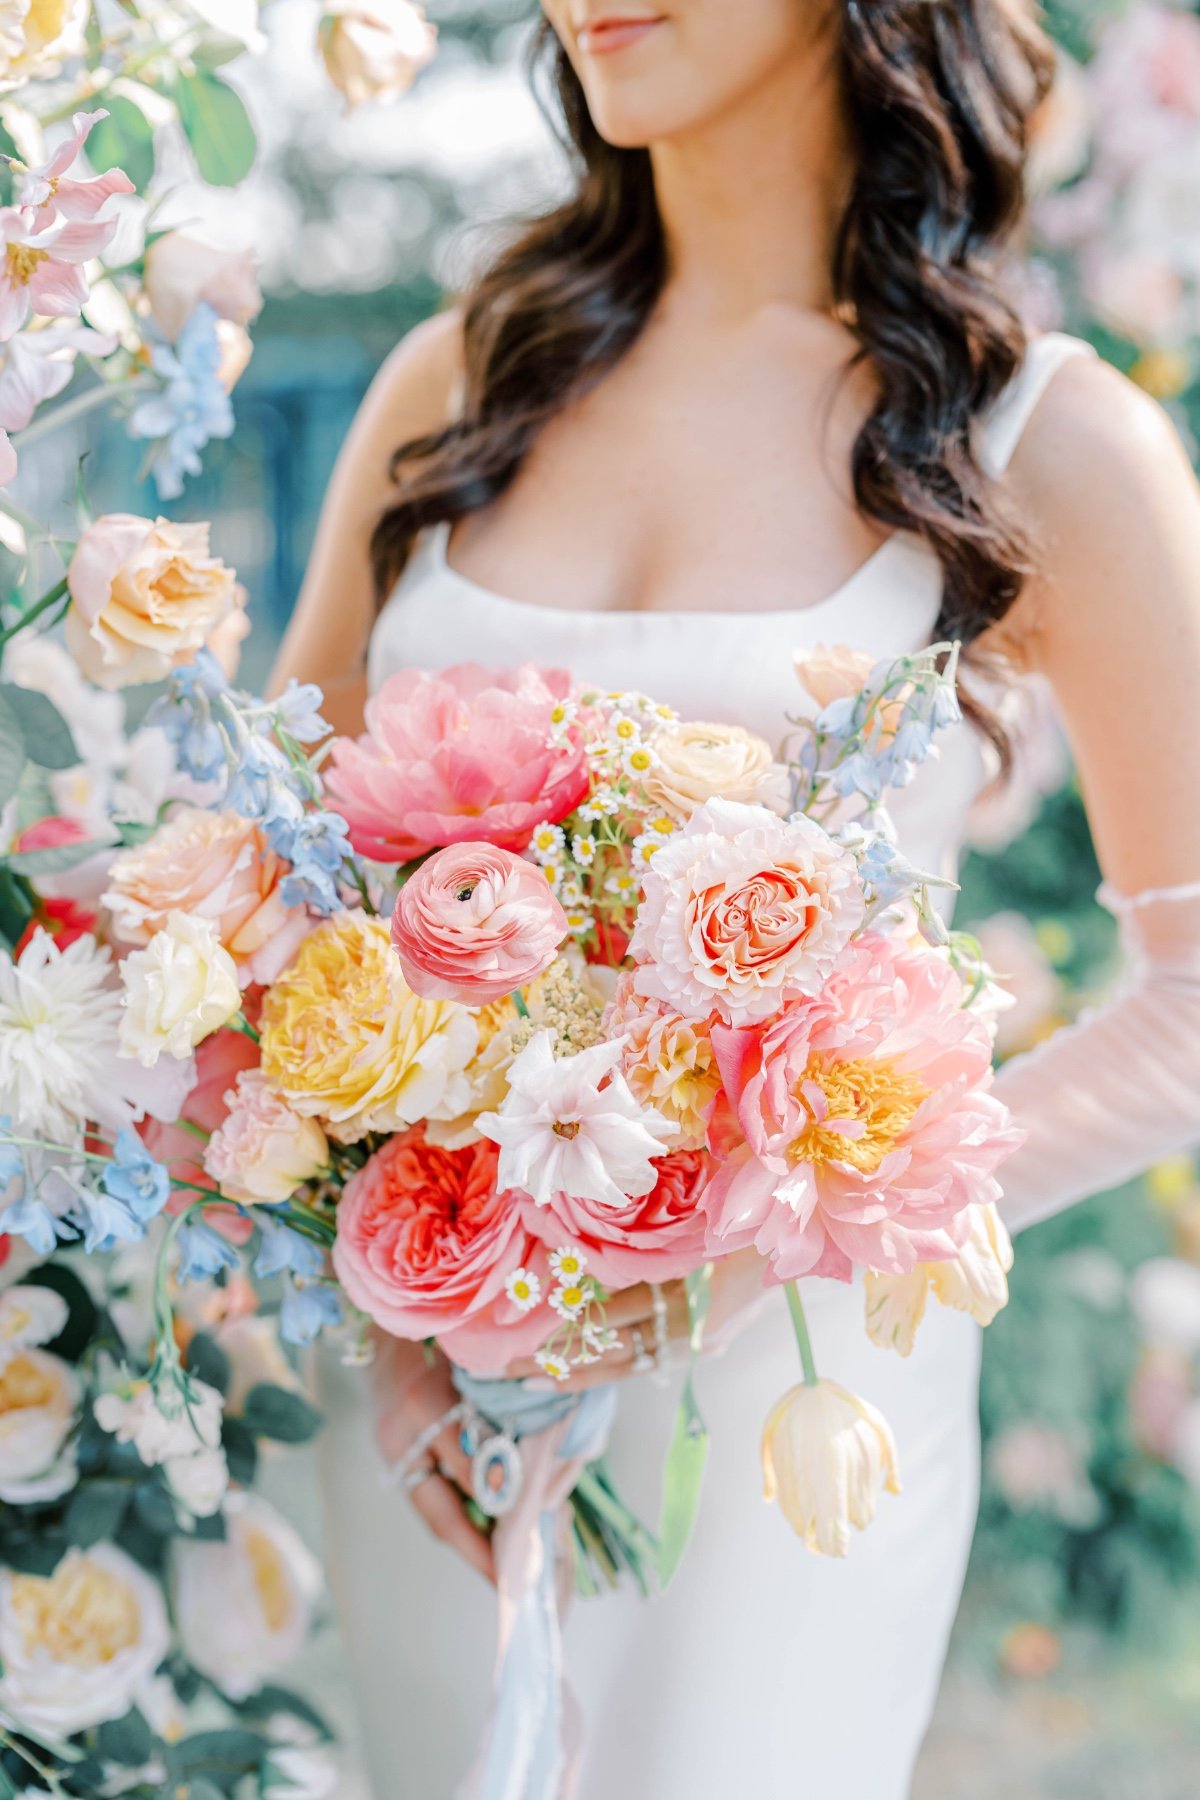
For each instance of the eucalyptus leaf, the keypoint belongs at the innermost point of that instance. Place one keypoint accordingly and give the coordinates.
(276, 1412)
(53, 861)
(12, 751)
(208, 1362)
(217, 127)
(128, 1741)
(16, 908)
(95, 1512)
(48, 740)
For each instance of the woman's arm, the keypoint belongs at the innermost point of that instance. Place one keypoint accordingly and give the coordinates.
(1113, 623)
(327, 638)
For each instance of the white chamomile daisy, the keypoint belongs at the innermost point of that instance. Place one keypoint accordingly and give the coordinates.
(600, 1339)
(645, 847)
(579, 920)
(583, 849)
(639, 759)
(626, 732)
(554, 1365)
(563, 714)
(568, 1263)
(625, 885)
(663, 824)
(571, 891)
(667, 714)
(524, 1289)
(601, 804)
(571, 1299)
(547, 842)
(554, 871)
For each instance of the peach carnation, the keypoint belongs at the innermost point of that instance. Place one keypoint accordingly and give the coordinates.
(475, 923)
(668, 1061)
(465, 754)
(215, 866)
(869, 1129)
(264, 1148)
(743, 911)
(425, 1242)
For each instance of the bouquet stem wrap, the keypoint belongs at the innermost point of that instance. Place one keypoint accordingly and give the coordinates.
(530, 1747)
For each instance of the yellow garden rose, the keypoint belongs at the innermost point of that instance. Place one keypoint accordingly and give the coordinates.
(345, 1040)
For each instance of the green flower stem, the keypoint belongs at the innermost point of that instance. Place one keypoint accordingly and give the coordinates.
(238, 1023)
(32, 527)
(310, 1224)
(56, 593)
(518, 1001)
(800, 1327)
(79, 405)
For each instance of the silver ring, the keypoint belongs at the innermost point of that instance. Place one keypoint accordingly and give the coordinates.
(413, 1478)
(642, 1360)
(662, 1332)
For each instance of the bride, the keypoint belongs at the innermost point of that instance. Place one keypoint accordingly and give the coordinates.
(753, 386)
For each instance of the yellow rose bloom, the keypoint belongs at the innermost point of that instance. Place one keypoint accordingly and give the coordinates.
(344, 1039)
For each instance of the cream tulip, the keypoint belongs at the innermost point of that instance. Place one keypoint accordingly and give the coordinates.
(826, 1456)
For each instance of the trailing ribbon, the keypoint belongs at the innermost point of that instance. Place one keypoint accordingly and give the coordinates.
(530, 1747)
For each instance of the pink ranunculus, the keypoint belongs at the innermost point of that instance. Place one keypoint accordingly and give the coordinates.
(474, 923)
(263, 1150)
(215, 866)
(425, 1241)
(465, 754)
(743, 911)
(869, 1129)
(658, 1238)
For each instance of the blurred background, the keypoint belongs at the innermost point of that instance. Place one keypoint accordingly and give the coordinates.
(1075, 1669)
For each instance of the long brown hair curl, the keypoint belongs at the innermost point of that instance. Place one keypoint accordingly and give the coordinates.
(937, 95)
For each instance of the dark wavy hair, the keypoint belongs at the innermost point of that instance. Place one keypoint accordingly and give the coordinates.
(937, 97)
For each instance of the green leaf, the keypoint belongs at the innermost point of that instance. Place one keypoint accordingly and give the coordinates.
(12, 751)
(217, 127)
(48, 740)
(208, 1362)
(16, 907)
(56, 861)
(128, 1741)
(687, 1456)
(82, 1313)
(224, 1756)
(125, 140)
(276, 1412)
(94, 1514)
(155, 1509)
(241, 1451)
(271, 1700)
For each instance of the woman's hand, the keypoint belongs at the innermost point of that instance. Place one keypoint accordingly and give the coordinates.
(736, 1284)
(412, 1390)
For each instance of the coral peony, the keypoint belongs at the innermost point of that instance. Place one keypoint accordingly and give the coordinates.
(145, 595)
(475, 923)
(264, 1148)
(743, 911)
(216, 866)
(426, 1240)
(826, 1455)
(657, 1238)
(346, 1041)
(869, 1130)
(465, 754)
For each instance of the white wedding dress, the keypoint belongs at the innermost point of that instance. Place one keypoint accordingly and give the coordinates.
(764, 1672)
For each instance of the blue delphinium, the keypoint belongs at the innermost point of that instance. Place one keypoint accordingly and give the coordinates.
(191, 408)
(134, 1178)
(203, 1253)
(308, 1307)
(282, 1249)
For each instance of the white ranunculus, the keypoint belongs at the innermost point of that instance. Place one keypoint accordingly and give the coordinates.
(180, 989)
(39, 1400)
(158, 1426)
(76, 1645)
(826, 1456)
(243, 1607)
(29, 1316)
(199, 1481)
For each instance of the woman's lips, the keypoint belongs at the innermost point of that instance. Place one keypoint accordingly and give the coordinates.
(607, 35)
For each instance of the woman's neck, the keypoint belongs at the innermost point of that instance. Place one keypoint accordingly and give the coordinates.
(750, 201)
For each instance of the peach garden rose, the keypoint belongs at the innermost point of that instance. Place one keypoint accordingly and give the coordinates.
(264, 1148)
(475, 923)
(695, 761)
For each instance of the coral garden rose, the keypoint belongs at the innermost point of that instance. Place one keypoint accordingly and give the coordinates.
(869, 1129)
(345, 1040)
(743, 911)
(461, 755)
(826, 1457)
(475, 923)
(668, 1061)
(216, 866)
(264, 1148)
(657, 1238)
(695, 762)
(145, 595)
(374, 49)
(426, 1239)
(77, 1645)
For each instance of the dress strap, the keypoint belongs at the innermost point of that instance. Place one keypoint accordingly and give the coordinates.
(1011, 413)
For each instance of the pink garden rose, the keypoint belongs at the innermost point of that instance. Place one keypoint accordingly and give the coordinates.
(474, 923)
(462, 755)
(869, 1129)
(658, 1238)
(425, 1241)
(743, 911)
(215, 866)
(263, 1150)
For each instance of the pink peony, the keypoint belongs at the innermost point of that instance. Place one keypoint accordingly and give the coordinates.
(868, 1127)
(263, 1150)
(462, 755)
(215, 866)
(474, 923)
(425, 1241)
(742, 912)
(658, 1238)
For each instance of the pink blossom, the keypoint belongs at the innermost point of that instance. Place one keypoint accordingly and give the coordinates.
(868, 1127)
(425, 1241)
(474, 923)
(41, 269)
(47, 185)
(465, 754)
(657, 1238)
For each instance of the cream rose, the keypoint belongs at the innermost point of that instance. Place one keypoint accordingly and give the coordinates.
(39, 1400)
(145, 595)
(243, 1606)
(215, 866)
(76, 1645)
(35, 39)
(29, 1316)
(696, 761)
(180, 989)
(374, 49)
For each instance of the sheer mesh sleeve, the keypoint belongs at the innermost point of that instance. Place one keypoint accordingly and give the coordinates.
(1104, 1098)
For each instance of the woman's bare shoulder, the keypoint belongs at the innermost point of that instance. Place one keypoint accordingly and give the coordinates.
(415, 387)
